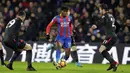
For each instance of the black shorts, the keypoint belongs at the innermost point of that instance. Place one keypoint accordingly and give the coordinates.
(15, 45)
(109, 42)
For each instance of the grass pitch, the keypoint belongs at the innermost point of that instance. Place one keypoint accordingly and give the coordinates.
(20, 67)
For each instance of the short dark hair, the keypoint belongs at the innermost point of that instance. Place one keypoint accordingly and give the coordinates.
(104, 6)
(64, 8)
(21, 13)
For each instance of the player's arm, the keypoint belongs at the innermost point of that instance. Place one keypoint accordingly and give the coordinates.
(49, 27)
(99, 22)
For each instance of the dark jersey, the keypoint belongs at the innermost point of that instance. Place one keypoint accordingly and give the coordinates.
(108, 21)
(12, 29)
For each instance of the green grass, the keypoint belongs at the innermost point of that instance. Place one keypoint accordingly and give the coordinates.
(20, 67)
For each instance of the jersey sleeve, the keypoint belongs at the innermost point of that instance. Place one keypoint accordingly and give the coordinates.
(50, 25)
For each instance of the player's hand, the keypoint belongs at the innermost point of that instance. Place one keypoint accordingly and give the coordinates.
(94, 27)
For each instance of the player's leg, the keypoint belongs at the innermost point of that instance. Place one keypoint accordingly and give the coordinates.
(59, 44)
(13, 46)
(12, 59)
(58, 50)
(51, 56)
(1, 55)
(74, 55)
(104, 48)
(67, 47)
(28, 49)
(58, 53)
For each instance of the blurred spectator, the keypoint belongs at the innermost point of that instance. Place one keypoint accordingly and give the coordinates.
(10, 16)
(85, 21)
(80, 36)
(15, 3)
(84, 12)
(76, 23)
(25, 4)
(127, 11)
(92, 5)
(127, 26)
(9, 5)
(1, 7)
(41, 19)
(31, 33)
(21, 6)
(5, 13)
(93, 38)
(3, 2)
(1, 25)
(77, 8)
(126, 39)
(16, 9)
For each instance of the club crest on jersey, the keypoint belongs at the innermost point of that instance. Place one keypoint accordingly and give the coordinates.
(64, 24)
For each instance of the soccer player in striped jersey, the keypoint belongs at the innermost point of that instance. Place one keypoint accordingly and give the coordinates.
(63, 38)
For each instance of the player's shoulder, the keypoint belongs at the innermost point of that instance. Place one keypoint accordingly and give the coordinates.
(13, 21)
(57, 16)
(17, 20)
(108, 15)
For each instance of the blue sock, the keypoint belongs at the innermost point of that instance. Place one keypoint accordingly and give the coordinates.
(66, 57)
(58, 52)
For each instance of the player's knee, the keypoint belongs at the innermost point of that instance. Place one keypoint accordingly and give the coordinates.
(58, 46)
(102, 48)
(28, 47)
(62, 50)
(73, 48)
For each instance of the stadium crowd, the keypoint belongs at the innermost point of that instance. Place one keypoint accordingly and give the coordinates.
(84, 12)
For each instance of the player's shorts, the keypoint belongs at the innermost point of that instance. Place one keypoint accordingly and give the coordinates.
(65, 41)
(109, 42)
(15, 45)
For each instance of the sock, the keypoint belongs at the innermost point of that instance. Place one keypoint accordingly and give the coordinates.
(52, 54)
(29, 58)
(107, 56)
(66, 57)
(58, 52)
(14, 57)
(74, 56)
(1, 57)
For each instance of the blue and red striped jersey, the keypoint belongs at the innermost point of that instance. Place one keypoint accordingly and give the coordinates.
(64, 25)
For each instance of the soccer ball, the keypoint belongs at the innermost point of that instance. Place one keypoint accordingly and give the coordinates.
(62, 62)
